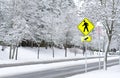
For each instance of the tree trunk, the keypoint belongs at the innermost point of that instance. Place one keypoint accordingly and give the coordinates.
(32, 44)
(16, 56)
(105, 56)
(10, 54)
(75, 53)
(53, 52)
(38, 51)
(13, 54)
(3, 47)
(65, 51)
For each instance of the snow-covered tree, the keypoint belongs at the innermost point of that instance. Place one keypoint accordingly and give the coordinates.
(39, 20)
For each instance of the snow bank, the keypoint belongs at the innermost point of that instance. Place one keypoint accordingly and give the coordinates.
(112, 72)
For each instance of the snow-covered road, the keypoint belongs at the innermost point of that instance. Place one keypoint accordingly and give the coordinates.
(10, 71)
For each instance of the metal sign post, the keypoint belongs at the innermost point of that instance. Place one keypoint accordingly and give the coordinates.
(86, 57)
(99, 29)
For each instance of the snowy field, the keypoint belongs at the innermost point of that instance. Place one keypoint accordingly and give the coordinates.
(112, 72)
(27, 53)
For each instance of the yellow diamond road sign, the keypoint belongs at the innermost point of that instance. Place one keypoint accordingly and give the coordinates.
(86, 38)
(86, 26)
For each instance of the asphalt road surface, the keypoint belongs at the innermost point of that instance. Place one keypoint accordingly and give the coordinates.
(65, 71)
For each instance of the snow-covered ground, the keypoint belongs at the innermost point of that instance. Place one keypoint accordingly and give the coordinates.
(30, 54)
(8, 71)
(112, 72)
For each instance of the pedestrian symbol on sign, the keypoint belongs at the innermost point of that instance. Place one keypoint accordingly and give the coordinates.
(85, 26)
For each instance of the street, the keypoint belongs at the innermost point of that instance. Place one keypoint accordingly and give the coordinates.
(65, 71)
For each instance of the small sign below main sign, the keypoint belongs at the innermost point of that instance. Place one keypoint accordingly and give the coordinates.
(86, 39)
